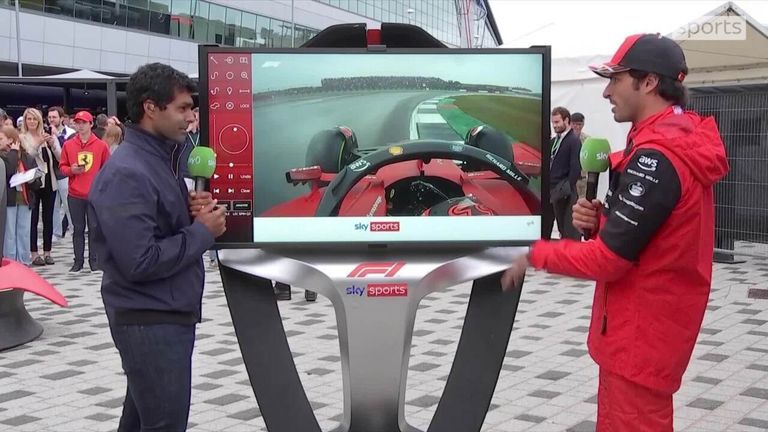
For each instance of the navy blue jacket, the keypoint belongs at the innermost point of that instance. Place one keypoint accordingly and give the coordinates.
(566, 164)
(148, 246)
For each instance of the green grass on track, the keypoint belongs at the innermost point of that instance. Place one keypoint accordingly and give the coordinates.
(518, 117)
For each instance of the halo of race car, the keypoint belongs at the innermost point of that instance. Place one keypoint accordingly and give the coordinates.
(422, 177)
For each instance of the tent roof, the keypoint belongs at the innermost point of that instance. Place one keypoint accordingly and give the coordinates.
(742, 62)
(83, 76)
(718, 61)
(80, 74)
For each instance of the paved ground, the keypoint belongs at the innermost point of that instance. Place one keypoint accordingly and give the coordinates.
(70, 378)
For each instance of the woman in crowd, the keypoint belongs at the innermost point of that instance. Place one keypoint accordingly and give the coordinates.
(113, 136)
(46, 150)
(5, 119)
(19, 214)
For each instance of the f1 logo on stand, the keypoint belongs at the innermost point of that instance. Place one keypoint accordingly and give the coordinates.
(387, 269)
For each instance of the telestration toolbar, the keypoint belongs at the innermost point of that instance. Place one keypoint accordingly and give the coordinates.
(231, 134)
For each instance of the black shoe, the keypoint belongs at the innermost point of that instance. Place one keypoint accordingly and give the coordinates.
(94, 267)
(76, 267)
(310, 296)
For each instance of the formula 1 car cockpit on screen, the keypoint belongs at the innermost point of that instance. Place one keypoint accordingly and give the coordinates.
(377, 147)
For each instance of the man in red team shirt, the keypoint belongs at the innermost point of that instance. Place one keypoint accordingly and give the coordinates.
(82, 157)
(652, 252)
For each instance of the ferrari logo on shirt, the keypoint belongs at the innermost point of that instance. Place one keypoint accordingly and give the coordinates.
(85, 158)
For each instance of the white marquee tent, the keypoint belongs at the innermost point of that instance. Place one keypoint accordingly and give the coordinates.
(710, 64)
(83, 74)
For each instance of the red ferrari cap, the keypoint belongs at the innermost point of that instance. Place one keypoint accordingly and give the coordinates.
(83, 116)
(649, 53)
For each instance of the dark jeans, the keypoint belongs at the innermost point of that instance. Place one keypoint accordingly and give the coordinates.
(45, 197)
(78, 208)
(157, 360)
(563, 214)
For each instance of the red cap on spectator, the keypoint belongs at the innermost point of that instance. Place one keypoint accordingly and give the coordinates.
(84, 116)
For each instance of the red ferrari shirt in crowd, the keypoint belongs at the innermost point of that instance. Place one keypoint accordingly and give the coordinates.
(91, 155)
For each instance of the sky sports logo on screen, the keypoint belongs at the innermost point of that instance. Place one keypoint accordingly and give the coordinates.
(378, 226)
(379, 290)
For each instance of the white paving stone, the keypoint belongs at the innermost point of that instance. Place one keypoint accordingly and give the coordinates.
(549, 335)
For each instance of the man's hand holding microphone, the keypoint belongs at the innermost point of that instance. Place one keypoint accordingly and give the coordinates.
(594, 160)
(586, 215)
(202, 206)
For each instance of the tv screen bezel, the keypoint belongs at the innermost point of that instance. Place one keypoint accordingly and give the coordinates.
(546, 210)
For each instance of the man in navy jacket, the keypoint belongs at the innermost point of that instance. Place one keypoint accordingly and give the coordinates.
(152, 233)
(564, 172)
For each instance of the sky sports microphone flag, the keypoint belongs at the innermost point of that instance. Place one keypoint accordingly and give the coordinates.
(594, 160)
(201, 165)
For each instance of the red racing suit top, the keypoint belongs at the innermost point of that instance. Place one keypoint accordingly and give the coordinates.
(652, 255)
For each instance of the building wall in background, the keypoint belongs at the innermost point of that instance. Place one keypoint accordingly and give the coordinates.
(117, 36)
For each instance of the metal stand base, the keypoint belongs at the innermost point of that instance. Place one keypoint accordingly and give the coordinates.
(17, 327)
(375, 295)
(724, 248)
(722, 257)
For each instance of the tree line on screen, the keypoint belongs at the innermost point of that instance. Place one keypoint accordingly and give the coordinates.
(372, 83)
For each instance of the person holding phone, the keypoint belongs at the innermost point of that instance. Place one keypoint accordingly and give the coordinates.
(81, 159)
(44, 148)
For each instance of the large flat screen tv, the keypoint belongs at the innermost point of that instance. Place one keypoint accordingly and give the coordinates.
(357, 146)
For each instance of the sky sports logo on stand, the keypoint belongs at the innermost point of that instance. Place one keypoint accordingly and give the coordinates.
(378, 226)
(385, 269)
(379, 290)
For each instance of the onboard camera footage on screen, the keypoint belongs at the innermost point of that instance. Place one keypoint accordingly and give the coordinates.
(474, 118)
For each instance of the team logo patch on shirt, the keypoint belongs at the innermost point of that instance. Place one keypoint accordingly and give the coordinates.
(647, 163)
(85, 158)
(636, 189)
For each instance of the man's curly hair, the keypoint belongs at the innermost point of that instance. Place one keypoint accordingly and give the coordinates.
(156, 82)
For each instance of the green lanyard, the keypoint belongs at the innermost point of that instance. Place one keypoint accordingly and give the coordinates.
(556, 146)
